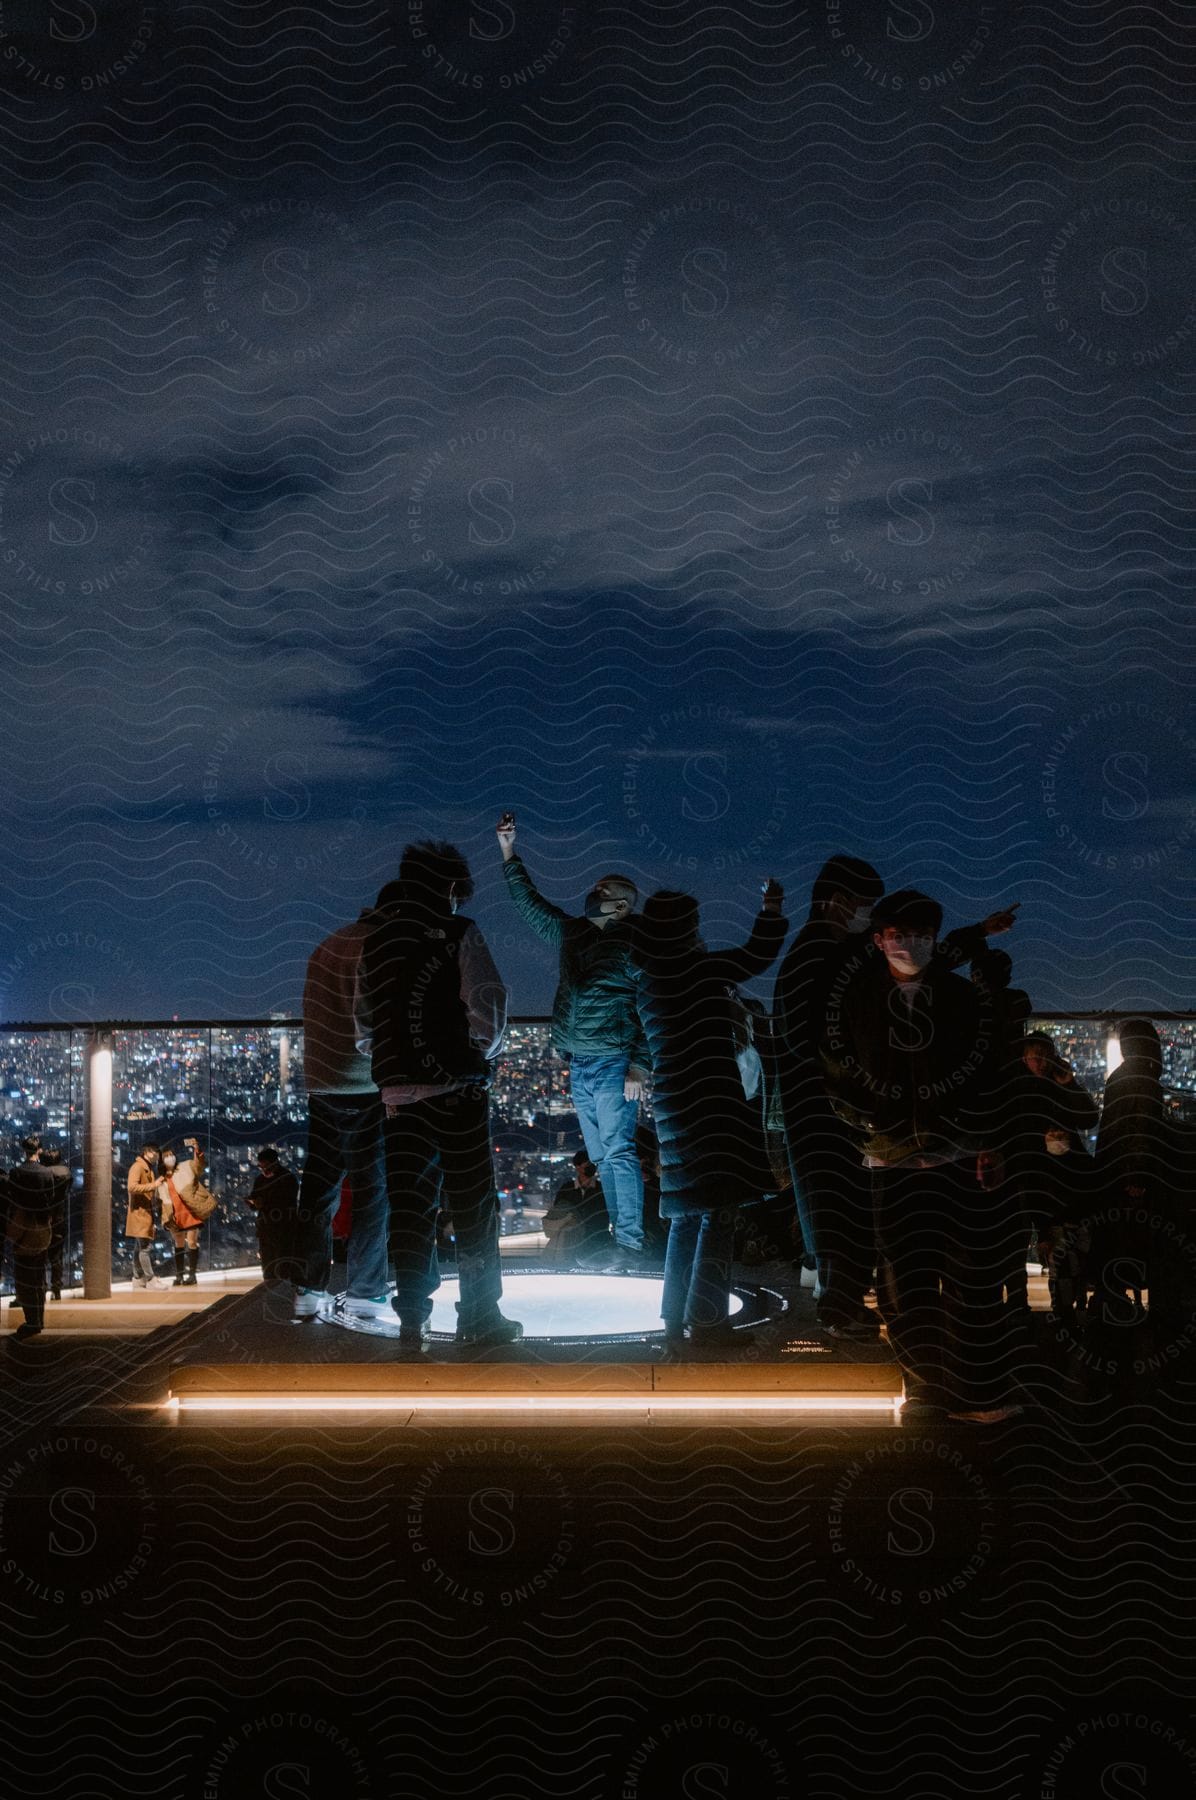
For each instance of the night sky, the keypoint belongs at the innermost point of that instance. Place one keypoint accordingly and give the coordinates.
(724, 435)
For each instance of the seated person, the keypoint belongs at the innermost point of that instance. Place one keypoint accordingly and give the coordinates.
(576, 1224)
(274, 1197)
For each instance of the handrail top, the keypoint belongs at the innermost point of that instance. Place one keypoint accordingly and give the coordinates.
(1104, 1014)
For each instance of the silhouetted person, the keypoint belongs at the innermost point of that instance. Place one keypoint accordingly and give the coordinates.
(344, 1140)
(914, 1074)
(829, 1184)
(576, 1224)
(1045, 1099)
(830, 1188)
(36, 1194)
(595, 1030)
(274, 1198)
(433, 1008)
(1063, 1203)
(56, 1161)
(1132, 1170)
(992, 972)
(656, 1229)
(710, 1136)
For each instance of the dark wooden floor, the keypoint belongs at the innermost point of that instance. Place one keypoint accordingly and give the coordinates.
(346, 1609)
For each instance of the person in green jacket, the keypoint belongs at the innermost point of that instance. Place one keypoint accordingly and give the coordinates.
(596, 1029)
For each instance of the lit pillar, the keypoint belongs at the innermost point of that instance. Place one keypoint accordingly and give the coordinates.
(97, 1167)
(284, 1069)
(1113, 1057)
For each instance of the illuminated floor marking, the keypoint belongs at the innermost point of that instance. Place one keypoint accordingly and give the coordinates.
(563, 1305)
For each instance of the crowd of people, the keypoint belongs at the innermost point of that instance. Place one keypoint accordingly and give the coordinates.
(919, 1136)
(923, 1139)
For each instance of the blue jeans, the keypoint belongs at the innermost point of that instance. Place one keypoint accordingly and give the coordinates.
(697, 1269)
(344, 1137)
(608, 1126)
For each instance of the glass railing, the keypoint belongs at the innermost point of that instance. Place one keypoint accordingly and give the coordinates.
(238, 1086)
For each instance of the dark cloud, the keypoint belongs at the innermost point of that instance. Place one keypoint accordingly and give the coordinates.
(401, 426)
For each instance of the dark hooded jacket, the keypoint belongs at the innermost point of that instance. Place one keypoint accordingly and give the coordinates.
(710, 1136)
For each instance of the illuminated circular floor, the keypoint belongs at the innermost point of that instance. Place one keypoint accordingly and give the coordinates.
(562, 1305)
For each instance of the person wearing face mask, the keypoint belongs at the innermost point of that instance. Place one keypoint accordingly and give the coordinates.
(596, 1030)
(178, 1179)
(139, 1218)
(833, 1199)
(431, 1011)
(913, 1069)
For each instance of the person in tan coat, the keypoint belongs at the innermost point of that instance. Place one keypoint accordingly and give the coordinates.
(139, 1219)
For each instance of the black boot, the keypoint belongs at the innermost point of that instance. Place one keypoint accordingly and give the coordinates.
(190, 1279)
(180, 1267)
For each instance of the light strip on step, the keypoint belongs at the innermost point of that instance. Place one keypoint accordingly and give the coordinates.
(537, 1403)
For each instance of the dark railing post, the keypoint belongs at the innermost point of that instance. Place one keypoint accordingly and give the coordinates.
(97, 1166)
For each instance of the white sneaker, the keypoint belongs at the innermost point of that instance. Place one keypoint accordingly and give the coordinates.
(376, 1318)
(139, 1281)
(310, 1303)
(158, 1282)
(809, 1278)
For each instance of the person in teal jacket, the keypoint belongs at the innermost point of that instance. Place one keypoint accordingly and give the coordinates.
(596, 1029)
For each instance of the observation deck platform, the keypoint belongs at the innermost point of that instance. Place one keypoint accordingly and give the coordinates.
(593, 1353)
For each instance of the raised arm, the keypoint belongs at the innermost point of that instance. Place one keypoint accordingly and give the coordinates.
(545, 919)
(763, 946)
(967, 942)
(761, 950)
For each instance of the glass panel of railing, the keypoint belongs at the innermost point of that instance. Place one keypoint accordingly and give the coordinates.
(161, 1095)
(36, 1096)
(236, 1088)
(257, 1099)
(535, 1129)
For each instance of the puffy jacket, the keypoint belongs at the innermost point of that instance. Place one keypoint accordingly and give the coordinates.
(710, 1136)
(920, 1082)
(594, 1011)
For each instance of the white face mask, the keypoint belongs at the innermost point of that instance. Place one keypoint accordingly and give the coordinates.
(859, 921)
(912, 957)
